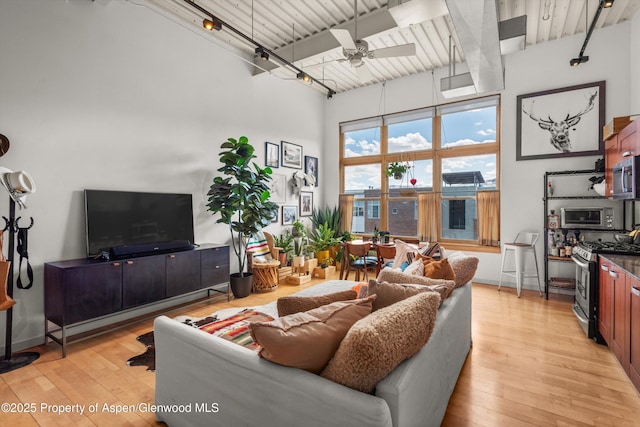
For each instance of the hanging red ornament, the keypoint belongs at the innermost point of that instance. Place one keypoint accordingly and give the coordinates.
(413, 181)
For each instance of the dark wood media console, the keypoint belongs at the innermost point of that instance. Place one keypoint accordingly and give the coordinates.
(83, 290)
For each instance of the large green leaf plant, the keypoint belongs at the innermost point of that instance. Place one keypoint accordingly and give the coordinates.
(241, 195)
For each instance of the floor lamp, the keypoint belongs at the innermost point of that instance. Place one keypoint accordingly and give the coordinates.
(18, 184)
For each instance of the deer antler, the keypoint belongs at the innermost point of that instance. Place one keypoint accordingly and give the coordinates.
(541, 122)
(573, 120)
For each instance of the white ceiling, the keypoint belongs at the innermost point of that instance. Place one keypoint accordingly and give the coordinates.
(275, 24)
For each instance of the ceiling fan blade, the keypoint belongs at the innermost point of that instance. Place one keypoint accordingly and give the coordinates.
(389, 52)
(344, 38)
(364, 73)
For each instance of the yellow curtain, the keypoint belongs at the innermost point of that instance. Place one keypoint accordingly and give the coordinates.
(489, 218)
(345, 203)
(427, 217)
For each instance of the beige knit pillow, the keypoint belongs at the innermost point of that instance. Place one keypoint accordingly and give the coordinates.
(376, 344)
(390, 293)
(309, 339)
(295, 304)
(464, 267)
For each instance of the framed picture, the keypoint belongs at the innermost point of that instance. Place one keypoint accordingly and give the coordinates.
(306, 203)
(291, 155)
(278, 188)
(276, 218)
(272, 155)
(562, 122)
(289, 214)
(311, 168)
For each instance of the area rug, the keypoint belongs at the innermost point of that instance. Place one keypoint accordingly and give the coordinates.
(233, 327)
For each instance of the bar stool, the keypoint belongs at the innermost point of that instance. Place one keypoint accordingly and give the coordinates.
(524, 243)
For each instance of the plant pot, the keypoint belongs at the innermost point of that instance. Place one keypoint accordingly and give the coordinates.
(397, 175)
(241, 286)
(283, 258)
(298, 261)
(322, 255)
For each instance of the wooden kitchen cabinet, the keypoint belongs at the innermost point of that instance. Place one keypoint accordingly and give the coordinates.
(634, 331)
(605, 302)
(628, 140)
(620, 327)
(612, 155)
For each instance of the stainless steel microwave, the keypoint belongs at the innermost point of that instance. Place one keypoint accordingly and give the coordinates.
(626, 178)
(601, 218)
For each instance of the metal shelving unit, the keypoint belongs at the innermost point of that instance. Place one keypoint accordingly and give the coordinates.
(546, 198)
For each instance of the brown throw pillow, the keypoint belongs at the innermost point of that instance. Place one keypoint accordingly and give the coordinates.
(438, 269)
(292, 304)
(309, 339)
(390, 293)
(464, 267)
(375, 345)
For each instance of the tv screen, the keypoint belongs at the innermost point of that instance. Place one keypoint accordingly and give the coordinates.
(116, 218)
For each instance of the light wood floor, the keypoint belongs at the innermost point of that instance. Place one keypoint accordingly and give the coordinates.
(530, 365)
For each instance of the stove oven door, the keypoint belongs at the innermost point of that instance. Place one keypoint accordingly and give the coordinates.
(584, 308)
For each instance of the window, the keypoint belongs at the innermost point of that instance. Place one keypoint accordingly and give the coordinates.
(451, 152)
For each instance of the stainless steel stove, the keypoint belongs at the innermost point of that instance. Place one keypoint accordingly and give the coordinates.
(585, 256)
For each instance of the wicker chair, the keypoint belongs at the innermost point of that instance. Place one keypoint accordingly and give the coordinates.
(265, 272)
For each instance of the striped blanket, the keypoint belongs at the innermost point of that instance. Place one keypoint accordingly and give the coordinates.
(236, 327)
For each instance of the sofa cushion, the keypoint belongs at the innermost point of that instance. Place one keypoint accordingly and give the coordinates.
(308, 340)
(394, 276)
(464, 267)
(403, 249)
(376, 344)
(389, 293)
(295, 304)
(416, 268)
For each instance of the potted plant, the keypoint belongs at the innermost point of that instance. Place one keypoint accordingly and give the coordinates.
(376, 234)
(284, 243)
(241, 197)
(321, 240)
(299, 247)
(396, 170)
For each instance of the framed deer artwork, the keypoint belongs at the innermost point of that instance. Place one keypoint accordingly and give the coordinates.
(562, 122)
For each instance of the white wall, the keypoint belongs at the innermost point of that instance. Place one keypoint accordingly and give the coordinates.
(634, 84)
(540, 67)
(119, 97)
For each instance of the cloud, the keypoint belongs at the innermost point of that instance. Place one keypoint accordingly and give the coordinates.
(409, 142)
(486, 132)
(361, 177)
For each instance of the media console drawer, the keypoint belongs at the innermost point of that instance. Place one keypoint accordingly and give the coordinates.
(80, 290)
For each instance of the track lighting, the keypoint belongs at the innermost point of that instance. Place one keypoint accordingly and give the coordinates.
(577, 61)
(211, 25)
(262, 53)
(304, 77)
(607, 3)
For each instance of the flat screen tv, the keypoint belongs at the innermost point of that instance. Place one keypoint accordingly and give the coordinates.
(117, 218)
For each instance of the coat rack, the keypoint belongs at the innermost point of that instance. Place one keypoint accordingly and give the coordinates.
(17, 360)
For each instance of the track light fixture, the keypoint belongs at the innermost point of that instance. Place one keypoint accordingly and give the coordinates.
(262, 53)
(211, 25)
(304, 77)
(582, 58)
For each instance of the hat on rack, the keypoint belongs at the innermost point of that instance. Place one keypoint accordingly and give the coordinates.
(18, 184)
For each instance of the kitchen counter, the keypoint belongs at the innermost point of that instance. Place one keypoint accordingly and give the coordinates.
(629, 263)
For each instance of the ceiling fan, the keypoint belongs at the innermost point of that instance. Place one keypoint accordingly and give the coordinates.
(357, 51)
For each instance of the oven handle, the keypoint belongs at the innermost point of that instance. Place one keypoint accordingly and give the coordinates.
(580, 263)
(635, 291)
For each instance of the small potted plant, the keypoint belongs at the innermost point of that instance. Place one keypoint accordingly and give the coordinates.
(321, 240)
(396, 170)
(284, 243)
(376, 234)
(299, 248)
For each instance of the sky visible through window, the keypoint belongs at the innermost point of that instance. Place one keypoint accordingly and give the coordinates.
(477, 126)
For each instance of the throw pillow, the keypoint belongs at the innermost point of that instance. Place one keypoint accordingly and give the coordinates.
(390, 293)
(402, 251)
(293, 304)
(393, 276)
(375, 345)
(437, 269)
(463, 266)
(415, 268)
(234, 328)
(309, 339)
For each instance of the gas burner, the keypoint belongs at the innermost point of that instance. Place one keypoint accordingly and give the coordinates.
(611, 248)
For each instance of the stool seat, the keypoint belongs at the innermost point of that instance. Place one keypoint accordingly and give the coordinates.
(523, 244)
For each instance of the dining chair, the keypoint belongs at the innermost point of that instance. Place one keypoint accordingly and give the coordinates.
(385, 252)
(358, 259)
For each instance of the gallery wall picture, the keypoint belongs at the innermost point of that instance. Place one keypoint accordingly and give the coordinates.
(289, 214)
(278, 188)
(291, 155)
(306, 203)
(563, 122)
(276, 218)
(311, 168)
(272, 155)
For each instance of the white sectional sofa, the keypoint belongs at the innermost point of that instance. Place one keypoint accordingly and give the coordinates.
(203, 380)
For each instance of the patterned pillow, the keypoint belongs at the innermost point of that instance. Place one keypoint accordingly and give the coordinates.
(236, 327)
(379, 342)
(295, 304)
(309, 339)
(258, 246)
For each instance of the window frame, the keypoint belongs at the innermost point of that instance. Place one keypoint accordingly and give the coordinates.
(436, 154)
